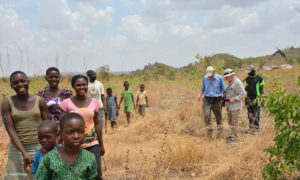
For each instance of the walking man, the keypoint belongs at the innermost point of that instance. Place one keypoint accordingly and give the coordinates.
(212, 87)
(255, 87)
(96, 90)
(234, 93)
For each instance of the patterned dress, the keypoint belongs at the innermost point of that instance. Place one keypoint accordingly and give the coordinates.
(53, 103)
(53, 167)
(111, 108)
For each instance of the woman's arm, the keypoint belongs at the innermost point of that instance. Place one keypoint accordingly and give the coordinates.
(99, 133)
(44, 109)
(10, 128)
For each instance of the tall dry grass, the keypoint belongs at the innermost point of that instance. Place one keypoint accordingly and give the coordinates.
(170, 142)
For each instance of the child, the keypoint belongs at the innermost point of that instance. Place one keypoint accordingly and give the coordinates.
(53, 94)
(69, 161)
(127, 95)
(111, 109)
(47, 132)
(142, 100)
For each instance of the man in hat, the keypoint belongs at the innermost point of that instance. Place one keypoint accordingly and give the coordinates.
(234, 93)
(255, 87)
(212, 88)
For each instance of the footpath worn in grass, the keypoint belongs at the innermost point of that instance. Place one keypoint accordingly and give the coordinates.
(170, 142)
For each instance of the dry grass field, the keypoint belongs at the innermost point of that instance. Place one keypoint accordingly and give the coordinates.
(170, 142)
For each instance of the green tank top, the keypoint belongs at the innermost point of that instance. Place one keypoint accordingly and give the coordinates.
(26, 122)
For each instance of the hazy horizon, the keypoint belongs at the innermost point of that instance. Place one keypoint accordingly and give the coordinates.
(127, 35)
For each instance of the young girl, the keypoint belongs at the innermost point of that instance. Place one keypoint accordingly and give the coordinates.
(69, 161)
(88, 108)
(52, 94)
(111, 109)
(21, 115)
(47, 132)
(127, 95)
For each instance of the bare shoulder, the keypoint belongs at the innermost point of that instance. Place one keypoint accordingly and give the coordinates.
(5, 103)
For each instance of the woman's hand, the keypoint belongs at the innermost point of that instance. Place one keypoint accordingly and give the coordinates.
(102, 150)
(27, 161)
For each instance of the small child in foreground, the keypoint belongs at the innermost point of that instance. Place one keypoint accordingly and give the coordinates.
(127, 95)
(47, 131)
(142, 100)
(69, 161)
(111, 109)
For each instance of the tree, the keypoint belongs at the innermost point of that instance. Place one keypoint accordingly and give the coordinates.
(104, 72)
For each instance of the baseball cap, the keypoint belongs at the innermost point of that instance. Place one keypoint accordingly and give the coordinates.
(228, 72)
(249, 69)
(209, 71)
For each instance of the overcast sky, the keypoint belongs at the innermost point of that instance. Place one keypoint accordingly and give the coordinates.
(128, 34)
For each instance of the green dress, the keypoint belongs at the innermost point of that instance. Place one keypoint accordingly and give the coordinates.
(52, 167)
(127, 96)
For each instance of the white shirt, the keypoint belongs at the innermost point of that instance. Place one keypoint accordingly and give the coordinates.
(95, 90)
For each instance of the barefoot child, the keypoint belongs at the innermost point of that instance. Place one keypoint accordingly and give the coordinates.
(47, 132)
(111, 109)
(69, 161)
(142, 100)
(127, 95)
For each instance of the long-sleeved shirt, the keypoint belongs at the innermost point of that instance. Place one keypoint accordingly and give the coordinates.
(235, 90)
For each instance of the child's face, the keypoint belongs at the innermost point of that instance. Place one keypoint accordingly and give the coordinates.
(73, 133)
(47, 138)
(142, 88)
(126, 85)
(53, 78)
(109, 93)
(81, 87)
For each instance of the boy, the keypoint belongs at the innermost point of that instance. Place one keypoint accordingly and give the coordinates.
(127, 95)
(47, 132)
(142, 100)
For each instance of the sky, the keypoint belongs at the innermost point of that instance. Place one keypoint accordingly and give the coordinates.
(77, 35)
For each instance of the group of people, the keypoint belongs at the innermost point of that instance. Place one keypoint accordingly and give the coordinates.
(214, 91)
(57, 135)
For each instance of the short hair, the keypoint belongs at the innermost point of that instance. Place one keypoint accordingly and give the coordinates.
(15, 73)
(69, 116)
(125, 82)
(90, 72)
(78, 76)
(48, 124)
(52, 69)
(108, 90)
(142, 85)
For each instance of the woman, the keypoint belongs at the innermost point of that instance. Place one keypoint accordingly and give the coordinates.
(87, 107)
(52, 94)
(21, 115)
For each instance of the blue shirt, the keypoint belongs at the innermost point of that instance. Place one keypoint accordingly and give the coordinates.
(214, 87)
(36, 161)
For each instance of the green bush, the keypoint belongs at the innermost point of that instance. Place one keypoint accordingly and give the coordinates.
(285, 153)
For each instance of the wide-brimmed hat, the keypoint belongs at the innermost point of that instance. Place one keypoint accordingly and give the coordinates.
(209, 71)
(228, 72)
(249, 69)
